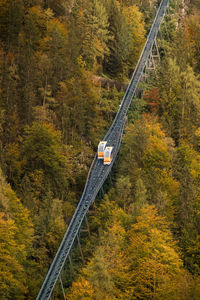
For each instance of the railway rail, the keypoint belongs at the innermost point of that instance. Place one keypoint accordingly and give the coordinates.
(98, 171)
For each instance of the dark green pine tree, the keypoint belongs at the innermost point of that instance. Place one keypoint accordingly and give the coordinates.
(119, 44)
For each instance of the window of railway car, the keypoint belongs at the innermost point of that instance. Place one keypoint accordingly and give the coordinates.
(108, 155)
(101, 148)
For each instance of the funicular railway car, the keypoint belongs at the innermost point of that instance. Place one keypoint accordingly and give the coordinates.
(108, 155)
(101, 148)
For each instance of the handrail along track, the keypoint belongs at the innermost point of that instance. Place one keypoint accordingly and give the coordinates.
(99, 172)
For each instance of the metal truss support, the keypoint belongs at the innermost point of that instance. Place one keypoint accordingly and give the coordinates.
(87, 227)
(110, 177)
(153, 60)
(93, 209)
(151, 65)
(144, 77)
(80, 249)
(137, 93)
(63, 291)
(102, 191)
(143, 81)
(70, 264)
(155, 51)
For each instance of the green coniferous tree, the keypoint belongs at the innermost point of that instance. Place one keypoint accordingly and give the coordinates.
(119, 44)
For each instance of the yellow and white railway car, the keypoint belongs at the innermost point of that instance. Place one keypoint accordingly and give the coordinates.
(101, 148)
(108, 155)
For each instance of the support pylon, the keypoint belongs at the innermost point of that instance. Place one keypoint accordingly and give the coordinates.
(80, 249)
(70, 264)
(87, 227)
(63, 291)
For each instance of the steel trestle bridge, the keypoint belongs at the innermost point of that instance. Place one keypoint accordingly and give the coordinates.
(98, 171)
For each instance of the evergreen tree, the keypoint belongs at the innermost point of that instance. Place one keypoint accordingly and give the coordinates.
(119, 44)
(42, 151)
(186, 170)
(140, 197)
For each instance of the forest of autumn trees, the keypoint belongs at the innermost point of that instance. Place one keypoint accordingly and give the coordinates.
(145, 226)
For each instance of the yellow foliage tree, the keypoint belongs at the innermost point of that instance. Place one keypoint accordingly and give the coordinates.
(137, 29)
(155, 262)
(81, 289)
(12, 275)
(16, 234)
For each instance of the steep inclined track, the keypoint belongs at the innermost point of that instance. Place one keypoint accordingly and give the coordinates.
(99, 172)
